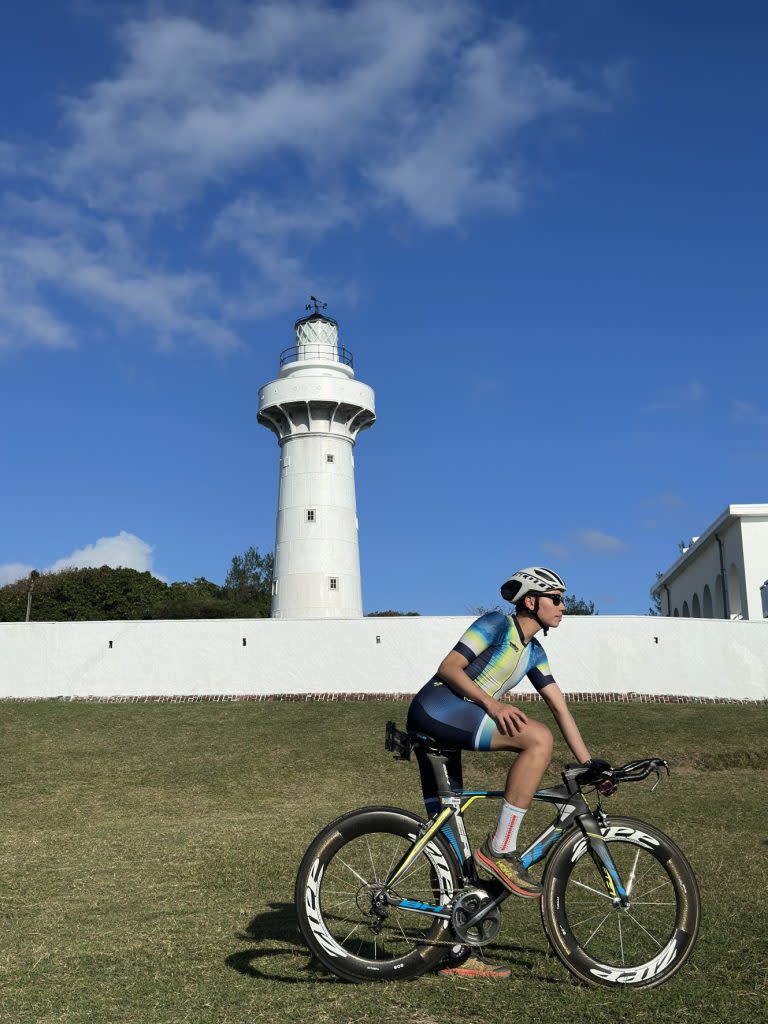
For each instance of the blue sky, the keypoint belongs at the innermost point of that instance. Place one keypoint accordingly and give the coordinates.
(542, 227)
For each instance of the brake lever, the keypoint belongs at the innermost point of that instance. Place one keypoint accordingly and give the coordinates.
(657, 768)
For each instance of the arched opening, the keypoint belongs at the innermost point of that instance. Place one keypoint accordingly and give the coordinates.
(719, 609)
(734, 592)
(675, 614)
(686, 610)
(696, 609)
(707, 609)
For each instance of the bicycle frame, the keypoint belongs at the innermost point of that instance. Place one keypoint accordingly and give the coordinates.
(572, 810)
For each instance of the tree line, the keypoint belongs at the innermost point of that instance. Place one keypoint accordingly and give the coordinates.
(82, 595)
(86, 595)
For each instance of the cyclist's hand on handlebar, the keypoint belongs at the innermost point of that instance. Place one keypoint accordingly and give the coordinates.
(509, 721)
(607, 787)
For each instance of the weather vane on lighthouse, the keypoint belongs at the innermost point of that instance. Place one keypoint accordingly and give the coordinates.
(316, 409)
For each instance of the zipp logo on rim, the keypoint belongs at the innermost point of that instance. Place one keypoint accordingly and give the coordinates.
(619, 976)
(312, 908)
(631, 835)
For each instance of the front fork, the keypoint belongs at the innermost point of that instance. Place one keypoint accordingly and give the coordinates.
(600, 854)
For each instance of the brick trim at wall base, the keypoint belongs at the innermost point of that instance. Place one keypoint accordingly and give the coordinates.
(593, 698)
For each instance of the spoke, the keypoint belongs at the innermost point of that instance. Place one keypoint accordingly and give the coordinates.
(650, 867)
(350, 934)
(584, 920)
(370, 857)
(589, 887)
(651, 903)
(338, 909)
(350, 868)
(419, 863)
(402, 932)
(621, 940)
(594, 933)
(659, 886)
(632, 878)
(392, 861)
(341, 919)
(652, 937)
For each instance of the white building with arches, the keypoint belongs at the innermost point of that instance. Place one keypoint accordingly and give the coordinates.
(722, 574)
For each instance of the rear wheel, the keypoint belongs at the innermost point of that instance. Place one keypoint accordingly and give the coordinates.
(599, 941)
(345, 913)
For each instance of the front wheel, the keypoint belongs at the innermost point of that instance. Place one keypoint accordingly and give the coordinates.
(350, 921)
(603, 943)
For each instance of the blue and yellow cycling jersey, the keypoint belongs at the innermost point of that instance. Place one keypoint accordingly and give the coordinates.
(498, 658)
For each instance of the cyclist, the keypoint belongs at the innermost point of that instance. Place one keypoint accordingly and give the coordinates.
(461, 705)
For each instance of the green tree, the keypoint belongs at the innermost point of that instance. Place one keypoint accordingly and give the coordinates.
(251, 573)
(573, 606)
(578, 606)
(78, 595)
(655, 607)
(388, 614)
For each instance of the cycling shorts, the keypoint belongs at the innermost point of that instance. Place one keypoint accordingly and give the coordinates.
(439, 712)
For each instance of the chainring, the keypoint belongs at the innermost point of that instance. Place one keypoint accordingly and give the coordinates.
(464, 909)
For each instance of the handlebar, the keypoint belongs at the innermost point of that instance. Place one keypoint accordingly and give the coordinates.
(597, 771)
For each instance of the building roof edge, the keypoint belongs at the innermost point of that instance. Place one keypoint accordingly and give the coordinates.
(730, 513)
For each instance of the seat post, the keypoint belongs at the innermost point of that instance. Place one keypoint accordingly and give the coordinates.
(438, 764)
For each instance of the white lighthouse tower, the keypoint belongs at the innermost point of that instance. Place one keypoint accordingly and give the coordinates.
(316, 408)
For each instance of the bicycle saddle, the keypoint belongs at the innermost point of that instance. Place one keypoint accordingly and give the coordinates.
(402, 743)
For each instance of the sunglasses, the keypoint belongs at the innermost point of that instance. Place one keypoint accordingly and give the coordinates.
(556, 599)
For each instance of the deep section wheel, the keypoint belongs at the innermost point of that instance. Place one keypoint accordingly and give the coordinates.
(350, 921)
(603, 943)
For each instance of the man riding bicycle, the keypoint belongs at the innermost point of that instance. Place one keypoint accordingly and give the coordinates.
(461, 706)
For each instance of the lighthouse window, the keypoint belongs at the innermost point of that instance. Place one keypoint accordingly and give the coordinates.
(274, 587)
(330, 458)
(334, 583)
(310, 515)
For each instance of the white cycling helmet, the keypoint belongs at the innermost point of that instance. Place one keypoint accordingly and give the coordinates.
(533, 580)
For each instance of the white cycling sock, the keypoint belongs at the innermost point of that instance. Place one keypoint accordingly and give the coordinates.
(504, 839)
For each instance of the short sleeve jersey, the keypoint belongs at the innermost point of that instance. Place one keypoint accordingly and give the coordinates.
(499, 657)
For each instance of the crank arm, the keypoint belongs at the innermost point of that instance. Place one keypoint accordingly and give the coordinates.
(496, 901)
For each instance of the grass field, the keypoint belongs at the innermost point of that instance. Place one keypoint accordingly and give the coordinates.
(149, 853)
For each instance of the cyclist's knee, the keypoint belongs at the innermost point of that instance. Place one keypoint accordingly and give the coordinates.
(540, 739)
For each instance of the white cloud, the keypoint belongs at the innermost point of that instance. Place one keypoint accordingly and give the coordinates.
(689, 393)
(748, 412)
(57, 247)
(125, 550)
(194, 103)
(594, 541)
(669, 500)
(598, 542)
(12, 571)
(555, 549)
(266, 127)
(416, 98)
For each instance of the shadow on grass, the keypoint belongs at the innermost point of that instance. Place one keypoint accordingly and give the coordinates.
(278, 924)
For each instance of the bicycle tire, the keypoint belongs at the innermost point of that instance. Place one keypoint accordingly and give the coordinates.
(337, 875)
(658, 934)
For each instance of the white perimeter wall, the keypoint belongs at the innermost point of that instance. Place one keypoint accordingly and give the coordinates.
(592, 654)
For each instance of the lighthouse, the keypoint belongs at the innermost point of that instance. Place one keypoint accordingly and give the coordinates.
(316, 408)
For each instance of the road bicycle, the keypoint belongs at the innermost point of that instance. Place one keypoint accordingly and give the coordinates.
(382, 894)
